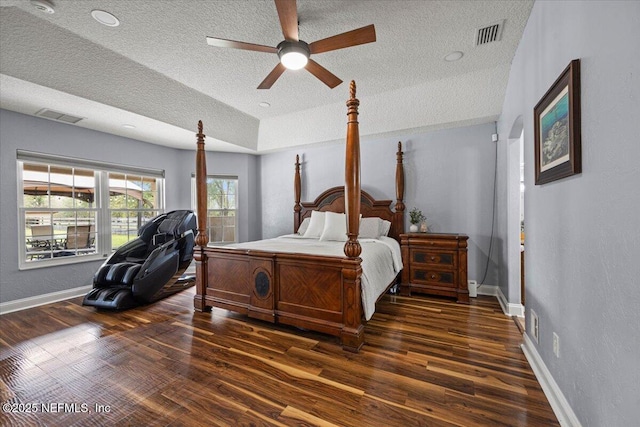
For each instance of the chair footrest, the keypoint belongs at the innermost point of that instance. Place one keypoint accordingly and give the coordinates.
(111, 298)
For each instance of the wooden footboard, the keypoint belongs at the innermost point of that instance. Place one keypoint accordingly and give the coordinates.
(312, 292)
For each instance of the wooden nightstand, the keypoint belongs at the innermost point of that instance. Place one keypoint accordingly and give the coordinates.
(435, 263)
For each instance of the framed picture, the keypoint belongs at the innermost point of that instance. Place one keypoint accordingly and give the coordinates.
(557, 128)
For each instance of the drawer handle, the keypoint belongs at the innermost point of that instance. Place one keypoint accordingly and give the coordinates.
(433, 276)
(433, 258)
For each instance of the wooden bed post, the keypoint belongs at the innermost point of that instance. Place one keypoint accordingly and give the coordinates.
(352, 248)
(297, 190)
(399, 220)
(352, 334)
(202, 238)
(201, 189)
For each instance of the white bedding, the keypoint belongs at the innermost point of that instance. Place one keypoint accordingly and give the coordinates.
(381, 260)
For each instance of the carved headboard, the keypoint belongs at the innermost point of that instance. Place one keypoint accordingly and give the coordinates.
(333, 200)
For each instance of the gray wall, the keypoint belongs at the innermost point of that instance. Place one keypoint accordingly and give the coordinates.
(582, 233)
(18, 131)
(448, 174)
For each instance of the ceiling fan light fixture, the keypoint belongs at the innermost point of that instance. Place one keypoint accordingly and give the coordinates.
(293, 55)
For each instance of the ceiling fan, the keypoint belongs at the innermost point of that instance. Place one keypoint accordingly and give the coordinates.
(294, 53)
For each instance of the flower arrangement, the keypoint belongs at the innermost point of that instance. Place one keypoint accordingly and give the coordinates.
(416, 216)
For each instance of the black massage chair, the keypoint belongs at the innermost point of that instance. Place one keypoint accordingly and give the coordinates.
(149, 267)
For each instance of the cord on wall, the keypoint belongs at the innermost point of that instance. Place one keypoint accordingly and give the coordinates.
(494, 138)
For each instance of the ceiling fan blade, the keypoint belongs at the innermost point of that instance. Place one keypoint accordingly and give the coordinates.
(350, 38)
(288, 14)
(323, 74)
(212, 41)
(272, 77)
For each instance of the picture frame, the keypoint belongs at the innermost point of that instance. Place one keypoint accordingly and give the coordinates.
(557, 137)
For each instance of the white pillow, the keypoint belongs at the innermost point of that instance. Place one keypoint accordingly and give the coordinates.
(385, 227)
(335, 227)
(370, 228)
(303, 227)
(316, 225)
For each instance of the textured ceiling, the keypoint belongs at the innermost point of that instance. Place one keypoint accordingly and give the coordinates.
(157, 72)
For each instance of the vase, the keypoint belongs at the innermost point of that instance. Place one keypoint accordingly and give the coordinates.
(413, 228)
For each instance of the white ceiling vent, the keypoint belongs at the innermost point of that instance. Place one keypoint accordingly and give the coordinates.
(56, 115)
(489, 34)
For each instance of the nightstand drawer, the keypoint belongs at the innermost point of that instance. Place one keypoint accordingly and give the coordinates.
(436, 243)
(424, 276)
(444, 259)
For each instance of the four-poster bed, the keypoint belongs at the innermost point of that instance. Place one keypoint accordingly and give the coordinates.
(314, 291)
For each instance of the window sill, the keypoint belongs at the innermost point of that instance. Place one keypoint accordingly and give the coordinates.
(55, 262)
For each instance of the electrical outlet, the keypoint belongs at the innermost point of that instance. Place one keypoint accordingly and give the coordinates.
(534, 326)
(556, 344)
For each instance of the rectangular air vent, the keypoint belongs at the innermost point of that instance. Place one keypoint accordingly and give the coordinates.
(56, 115)
(489, 34)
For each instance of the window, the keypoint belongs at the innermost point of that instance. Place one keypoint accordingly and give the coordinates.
(132, 203)
(222, 196)
(72, 210)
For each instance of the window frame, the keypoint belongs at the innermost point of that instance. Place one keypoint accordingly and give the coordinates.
(194, 205)
(101, 209)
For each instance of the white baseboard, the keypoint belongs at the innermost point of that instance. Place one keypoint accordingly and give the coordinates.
(562, 409)
(508, 308)
(491, 290)
(24, 303)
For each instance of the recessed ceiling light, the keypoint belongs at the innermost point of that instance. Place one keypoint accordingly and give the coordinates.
(454, 56)
(264, 105)
(43, 6)
(105, 18)
(128, 126)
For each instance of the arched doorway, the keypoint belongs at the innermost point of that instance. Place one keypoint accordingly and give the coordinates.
(515, 213)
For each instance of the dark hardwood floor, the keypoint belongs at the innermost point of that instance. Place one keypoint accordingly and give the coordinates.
(426, 361)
